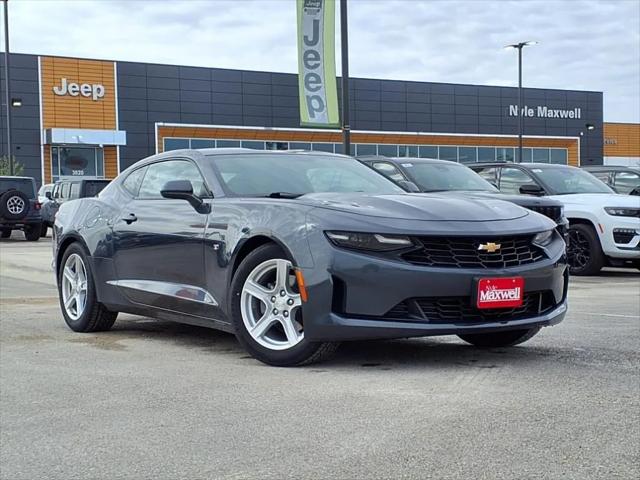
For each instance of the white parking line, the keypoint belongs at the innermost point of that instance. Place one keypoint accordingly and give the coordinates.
(621, 315)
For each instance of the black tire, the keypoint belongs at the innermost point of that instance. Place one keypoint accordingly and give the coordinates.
(303, 353)
(43, 229)
(8, 206)
(33, 232)
(584, 251)
(509, 338)
(95, 317)
(5, 233)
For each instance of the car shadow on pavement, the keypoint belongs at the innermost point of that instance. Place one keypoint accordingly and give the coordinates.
(445, 352)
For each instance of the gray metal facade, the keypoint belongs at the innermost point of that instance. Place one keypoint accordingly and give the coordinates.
(149, 93)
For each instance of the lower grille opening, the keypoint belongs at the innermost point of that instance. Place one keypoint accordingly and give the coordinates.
(463, 310)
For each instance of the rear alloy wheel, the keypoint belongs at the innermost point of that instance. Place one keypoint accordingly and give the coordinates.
(584, 251)
(76, 290)
(267, 311)
(509, 338)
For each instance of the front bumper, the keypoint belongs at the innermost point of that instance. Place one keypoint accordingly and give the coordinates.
(629, 247)
(353, 298)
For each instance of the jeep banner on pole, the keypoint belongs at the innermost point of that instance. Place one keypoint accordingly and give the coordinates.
(316, 63)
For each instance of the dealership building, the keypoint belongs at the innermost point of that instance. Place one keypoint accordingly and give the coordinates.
(94, 118)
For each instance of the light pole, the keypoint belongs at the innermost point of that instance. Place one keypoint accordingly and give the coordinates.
(6, 84)
(519, 47)
(344, 42)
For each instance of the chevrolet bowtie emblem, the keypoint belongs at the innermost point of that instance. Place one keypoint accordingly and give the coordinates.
(489, 247)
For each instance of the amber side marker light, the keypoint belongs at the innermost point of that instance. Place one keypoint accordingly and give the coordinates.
(301, 285)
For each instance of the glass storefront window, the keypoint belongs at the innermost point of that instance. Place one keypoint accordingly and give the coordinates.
(322, 147)
(388, 150)
(408, 151)
(467, 154)
(175, 143)
(428, 151)
(99, 163)
(540, 155)
(227, 143)
(77, 162)
(366, 149)
(202, 143)
(505, 154)
(299, 146)
(339, 148)
(277, 146)
(448, 153)
(253, 144)
(558, 155)
(486, 154)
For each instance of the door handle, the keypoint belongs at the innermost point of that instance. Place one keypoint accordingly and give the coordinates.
(129, 219)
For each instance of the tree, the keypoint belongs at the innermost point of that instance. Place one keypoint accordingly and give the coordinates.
(5, 166)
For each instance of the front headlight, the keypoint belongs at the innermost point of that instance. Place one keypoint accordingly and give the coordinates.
(622, 211)
(375, 242)
(543, 239)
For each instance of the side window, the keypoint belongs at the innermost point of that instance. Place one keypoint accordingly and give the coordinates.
(56, 191)
(158, 174)
(75, 190)
(625, 182)
(64, 191)
(389, 170)
(133, 181)
(490, 174)
(511, 179)
(604, 176)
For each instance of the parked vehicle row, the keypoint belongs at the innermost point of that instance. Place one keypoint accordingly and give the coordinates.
(295, 252)
(604, 227)
(625, 180)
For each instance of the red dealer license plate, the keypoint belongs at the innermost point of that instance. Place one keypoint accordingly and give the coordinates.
(500, 292)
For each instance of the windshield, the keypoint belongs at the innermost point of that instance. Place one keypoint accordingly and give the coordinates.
(432, 177)
(568, 180)
(267, 174)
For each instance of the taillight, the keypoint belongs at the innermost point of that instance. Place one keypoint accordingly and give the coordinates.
(37, 205)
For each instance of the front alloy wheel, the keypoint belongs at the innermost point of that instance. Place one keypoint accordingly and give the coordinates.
(270, 305)
(266, 309)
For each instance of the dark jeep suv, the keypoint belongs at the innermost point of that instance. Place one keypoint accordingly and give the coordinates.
(19, 207)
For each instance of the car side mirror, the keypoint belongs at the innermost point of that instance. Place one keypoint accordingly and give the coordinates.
(48, 195)
(532, 189)
(183, 190)
(409, 186)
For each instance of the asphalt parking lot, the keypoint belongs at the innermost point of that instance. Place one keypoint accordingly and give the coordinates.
(153, 399)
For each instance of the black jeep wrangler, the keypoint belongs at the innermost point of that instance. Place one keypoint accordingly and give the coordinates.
(19, 207)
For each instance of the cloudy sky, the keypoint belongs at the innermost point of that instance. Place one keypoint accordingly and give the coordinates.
(584, 44)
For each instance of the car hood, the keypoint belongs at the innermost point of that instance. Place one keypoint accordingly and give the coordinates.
(425, 207)
(599, 200)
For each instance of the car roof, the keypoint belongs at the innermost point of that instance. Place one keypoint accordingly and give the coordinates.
(611, 168)
(244, 151)
(2, 177)
(400, 160)
(523, 165)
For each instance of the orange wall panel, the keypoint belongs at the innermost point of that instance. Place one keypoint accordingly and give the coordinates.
(110, 162)
(77, 111)
(621, 139)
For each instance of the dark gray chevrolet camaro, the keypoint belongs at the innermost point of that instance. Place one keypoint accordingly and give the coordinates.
(296, 251)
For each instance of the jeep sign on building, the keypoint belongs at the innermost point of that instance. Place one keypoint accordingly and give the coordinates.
(93, 118)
